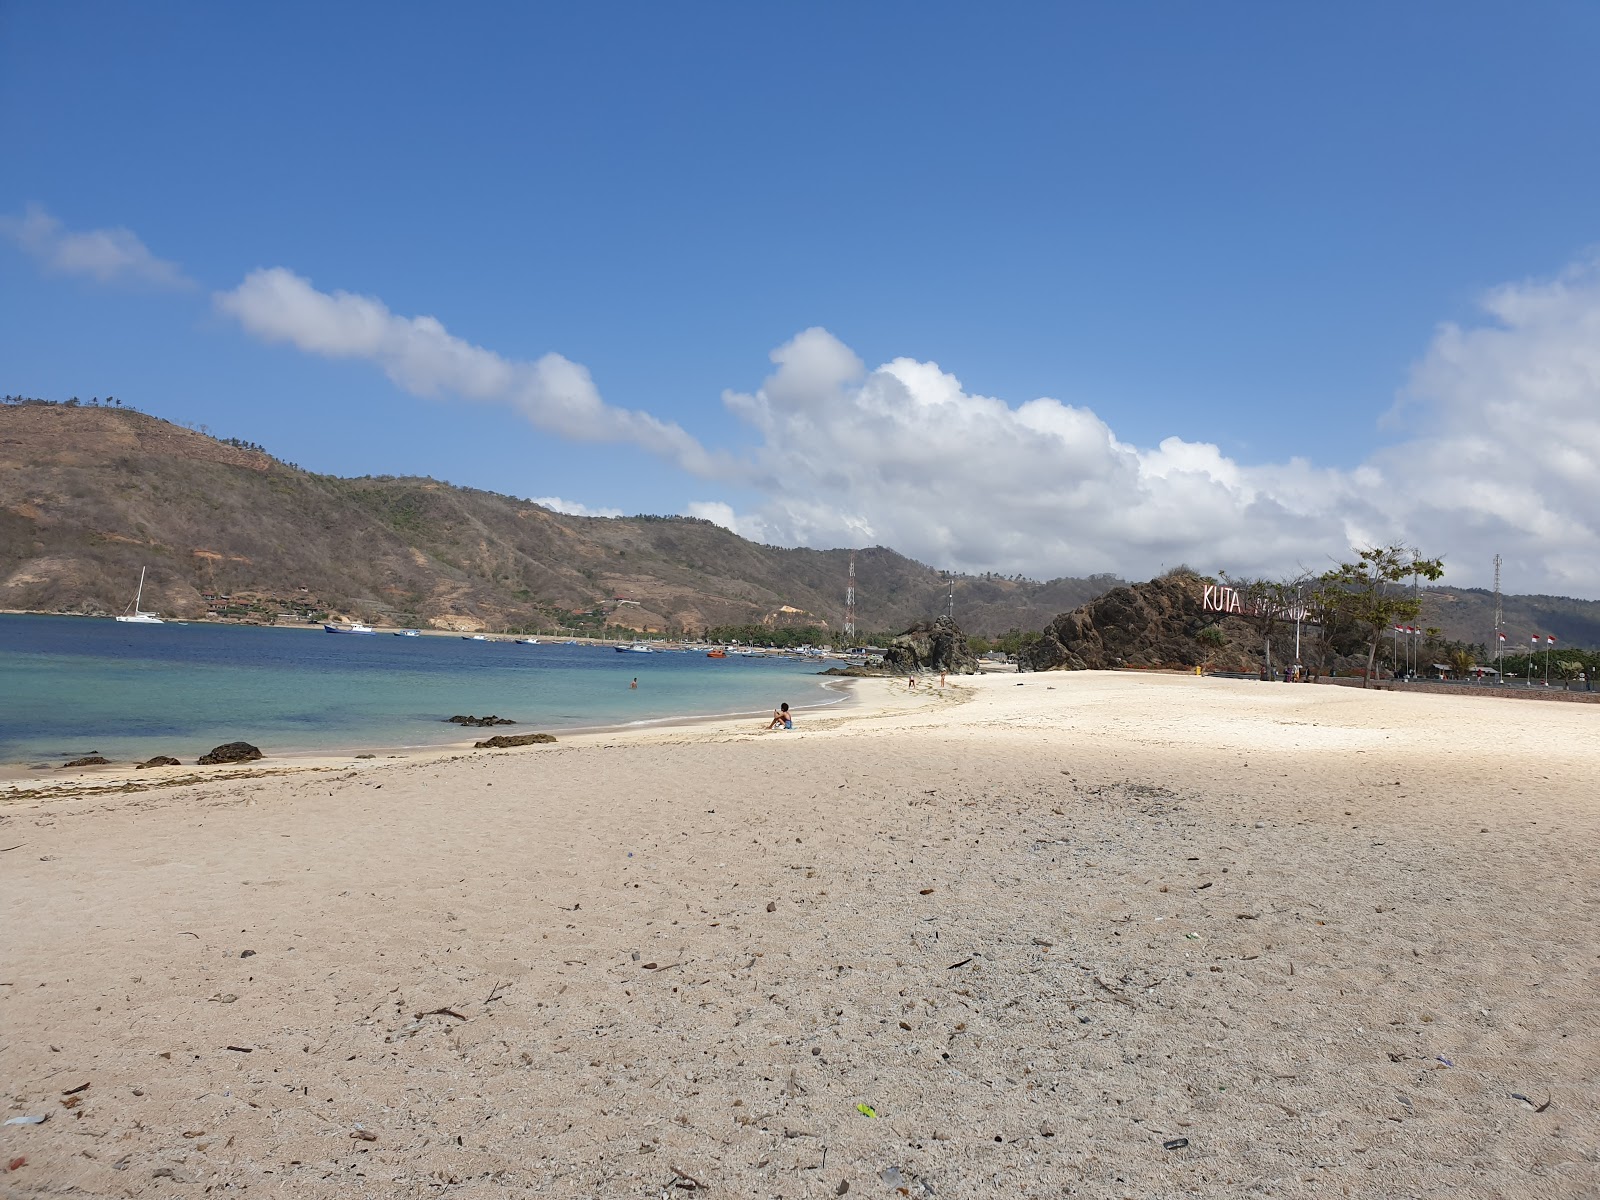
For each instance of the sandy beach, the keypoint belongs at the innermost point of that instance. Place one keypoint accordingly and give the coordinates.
(1091, 934)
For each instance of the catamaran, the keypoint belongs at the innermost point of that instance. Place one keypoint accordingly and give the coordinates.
(135, 615)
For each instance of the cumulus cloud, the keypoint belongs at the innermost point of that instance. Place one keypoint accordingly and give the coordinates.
(1507, 460)
(424, 358)
(104, 255)
(574, 508)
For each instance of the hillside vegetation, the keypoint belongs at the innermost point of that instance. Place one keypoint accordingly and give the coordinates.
(89, 495)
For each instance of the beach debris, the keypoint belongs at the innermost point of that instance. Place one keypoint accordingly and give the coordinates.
(242, 1049)
(844, 1186)
(682, 1179)
(1175, 1144)
(39, 1120)
(962, 963)
(82, 1087)
(866, 1110)
(441, 1012)
(458, 719)
(1445, 1061)
(247, 954)
(1538, 1108)
(224, 998)
(91, 760)
(8, 849)
(925, 892)
(891, 1175)
(160, 760)
(229, 752)
(17, 1163)
(364, 1135)
(1203, 886)
(503, 741)
(772, 906)
(72, 1102)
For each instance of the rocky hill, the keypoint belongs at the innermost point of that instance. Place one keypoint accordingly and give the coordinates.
(89, 495)
(1157, 624)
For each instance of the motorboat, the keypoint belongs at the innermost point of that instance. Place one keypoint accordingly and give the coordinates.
(407, 633)
(716, 654)
(135, 615)
(527, 641)
(474, 637)
(636, 648)
(353, 627)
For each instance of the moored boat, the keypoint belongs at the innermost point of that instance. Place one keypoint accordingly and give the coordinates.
(353, 627)
(716, 654)
(407, 633)
(135, 615)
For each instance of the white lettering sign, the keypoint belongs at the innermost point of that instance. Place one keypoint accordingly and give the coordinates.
(1223, 599)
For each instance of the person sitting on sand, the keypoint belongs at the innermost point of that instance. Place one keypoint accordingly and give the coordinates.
(781, 716)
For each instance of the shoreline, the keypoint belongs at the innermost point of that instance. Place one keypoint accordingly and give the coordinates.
(120, 777)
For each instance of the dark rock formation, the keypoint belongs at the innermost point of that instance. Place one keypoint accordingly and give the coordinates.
(930, 646)
(458, 719)
(160, 760)
(1155, 624)
(857, 672)
(501, 741)
(232, 752)
(92, 760)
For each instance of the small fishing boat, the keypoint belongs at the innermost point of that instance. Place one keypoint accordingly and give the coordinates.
(407, 633)
(527, 641)
(135, 615)
(716, 654)
(636, 648)
(474, 637)
(353, 627)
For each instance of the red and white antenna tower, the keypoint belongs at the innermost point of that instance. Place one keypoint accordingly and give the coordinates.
(850, 602)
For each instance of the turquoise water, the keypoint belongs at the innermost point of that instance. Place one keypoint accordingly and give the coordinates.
(71, 686)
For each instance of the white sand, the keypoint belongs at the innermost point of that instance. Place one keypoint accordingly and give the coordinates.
(1321, 934)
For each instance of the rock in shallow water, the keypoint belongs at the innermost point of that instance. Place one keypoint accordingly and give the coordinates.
(231, 752)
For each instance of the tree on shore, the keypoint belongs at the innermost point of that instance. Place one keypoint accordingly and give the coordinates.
(1371, 591)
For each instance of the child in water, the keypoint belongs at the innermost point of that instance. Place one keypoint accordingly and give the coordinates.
(781, 716)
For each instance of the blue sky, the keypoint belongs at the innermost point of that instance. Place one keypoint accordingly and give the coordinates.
(1241, 227)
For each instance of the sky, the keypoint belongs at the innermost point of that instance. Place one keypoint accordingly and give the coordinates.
(1039, 289)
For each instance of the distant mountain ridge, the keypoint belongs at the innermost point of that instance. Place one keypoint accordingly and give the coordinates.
(89, 494)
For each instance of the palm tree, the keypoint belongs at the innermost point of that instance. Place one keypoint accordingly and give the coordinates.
(1461, 662)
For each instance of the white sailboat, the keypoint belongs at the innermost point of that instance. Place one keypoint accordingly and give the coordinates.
(136, 616)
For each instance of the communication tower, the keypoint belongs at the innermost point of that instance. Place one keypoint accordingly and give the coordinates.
(1499, 645)
(850, 602)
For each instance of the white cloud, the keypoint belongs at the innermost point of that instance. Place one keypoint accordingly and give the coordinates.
(105, 255)
(420, 355)
(1507, 457)
(574, 508)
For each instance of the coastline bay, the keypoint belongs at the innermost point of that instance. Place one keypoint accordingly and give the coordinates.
(76, 686)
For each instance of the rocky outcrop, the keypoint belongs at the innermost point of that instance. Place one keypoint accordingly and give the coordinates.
(502, 741)
(92, 760)
(1157, 624)
(230, 752)
(458, 719)
(930, 646)
(160, 760)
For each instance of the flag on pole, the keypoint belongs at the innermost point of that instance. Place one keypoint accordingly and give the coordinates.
(1549, 639)
(1534, 639)
(1501, 636)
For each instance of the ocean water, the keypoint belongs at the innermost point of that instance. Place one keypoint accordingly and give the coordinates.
(71, 686)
